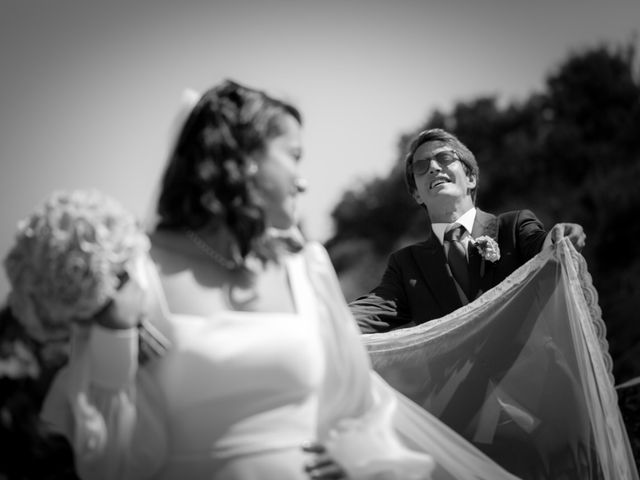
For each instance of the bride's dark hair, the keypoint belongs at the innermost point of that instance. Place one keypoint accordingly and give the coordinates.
(208, 180)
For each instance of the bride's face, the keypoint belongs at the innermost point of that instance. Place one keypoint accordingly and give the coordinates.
(278, 182)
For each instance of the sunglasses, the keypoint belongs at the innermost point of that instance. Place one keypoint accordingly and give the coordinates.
(444, 158)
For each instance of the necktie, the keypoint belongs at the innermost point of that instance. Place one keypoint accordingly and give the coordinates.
(457, 256)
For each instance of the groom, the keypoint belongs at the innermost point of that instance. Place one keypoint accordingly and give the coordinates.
(467, 252)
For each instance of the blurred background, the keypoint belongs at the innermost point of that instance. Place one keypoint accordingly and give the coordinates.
(545, 93)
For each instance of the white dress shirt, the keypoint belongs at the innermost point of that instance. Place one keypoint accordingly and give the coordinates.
(466, 220)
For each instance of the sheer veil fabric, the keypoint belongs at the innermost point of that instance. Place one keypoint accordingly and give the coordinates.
(523, 373)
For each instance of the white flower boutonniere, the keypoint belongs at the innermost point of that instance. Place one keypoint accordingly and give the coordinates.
(488, 248)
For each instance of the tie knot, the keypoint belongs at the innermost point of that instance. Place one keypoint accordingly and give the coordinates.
(454, 232)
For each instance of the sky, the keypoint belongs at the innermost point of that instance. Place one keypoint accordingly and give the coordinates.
(89, 89)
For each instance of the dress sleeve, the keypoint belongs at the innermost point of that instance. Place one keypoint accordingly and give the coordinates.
(356, 410)
(113, 357)
(368, 427)
(111, 411)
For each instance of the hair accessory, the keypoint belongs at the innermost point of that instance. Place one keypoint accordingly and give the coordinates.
(188, 100)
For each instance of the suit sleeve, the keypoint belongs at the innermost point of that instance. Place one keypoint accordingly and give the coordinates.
(530, 235)
(385, 307)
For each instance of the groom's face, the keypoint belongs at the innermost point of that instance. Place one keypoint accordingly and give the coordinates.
(446, 179)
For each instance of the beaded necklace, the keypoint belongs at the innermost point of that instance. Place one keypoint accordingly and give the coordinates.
(237, 296)
(213, 254)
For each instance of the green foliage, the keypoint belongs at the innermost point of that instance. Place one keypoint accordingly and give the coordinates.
(376, 211)
(569, 153)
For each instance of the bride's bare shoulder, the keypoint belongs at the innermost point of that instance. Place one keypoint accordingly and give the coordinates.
(190, 285)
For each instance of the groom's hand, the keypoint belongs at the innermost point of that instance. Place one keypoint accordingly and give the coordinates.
(573, 231)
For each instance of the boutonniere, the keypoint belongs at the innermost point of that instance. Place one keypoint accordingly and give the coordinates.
(488, 248)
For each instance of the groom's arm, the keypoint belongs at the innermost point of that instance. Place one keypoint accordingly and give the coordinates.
(530, 234)
(385, 307)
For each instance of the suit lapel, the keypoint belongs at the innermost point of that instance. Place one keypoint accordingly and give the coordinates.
(429, 256)
(484, 224)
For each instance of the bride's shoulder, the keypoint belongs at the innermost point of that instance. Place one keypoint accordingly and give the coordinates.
(315, 249)
(166, 246)
(179, 282)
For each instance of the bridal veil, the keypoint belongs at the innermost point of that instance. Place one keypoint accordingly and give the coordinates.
(523, 373)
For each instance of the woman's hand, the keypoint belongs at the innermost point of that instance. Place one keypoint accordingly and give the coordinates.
(127, 307)
(322, 466)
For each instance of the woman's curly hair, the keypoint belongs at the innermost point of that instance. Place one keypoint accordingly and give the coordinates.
(208, 180)
(67, 260)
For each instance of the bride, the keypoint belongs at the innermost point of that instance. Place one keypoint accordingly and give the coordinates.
(224, 347)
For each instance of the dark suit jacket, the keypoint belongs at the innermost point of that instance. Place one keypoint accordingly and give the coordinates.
(417, 285)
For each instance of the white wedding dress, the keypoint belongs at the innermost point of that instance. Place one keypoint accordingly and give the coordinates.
(238, 393)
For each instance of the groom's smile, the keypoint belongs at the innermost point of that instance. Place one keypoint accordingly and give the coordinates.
(439, 181)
